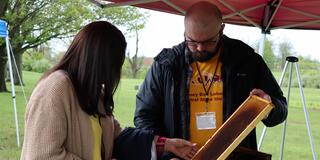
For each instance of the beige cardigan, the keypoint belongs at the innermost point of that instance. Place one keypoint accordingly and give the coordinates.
(57, 128)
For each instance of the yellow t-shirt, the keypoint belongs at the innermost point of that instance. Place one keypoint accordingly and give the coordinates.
(197, 94)
(97, 138)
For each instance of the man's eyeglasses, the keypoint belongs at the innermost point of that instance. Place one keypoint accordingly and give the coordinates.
(192, 43)
(206, 43)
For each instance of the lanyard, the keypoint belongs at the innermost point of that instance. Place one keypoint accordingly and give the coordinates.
(202, 81)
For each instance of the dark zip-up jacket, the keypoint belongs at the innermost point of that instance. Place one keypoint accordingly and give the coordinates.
(163, 104)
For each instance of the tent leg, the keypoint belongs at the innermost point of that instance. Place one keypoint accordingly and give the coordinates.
(261, 44)
(265, 128)
(13, 91)
(306, 114)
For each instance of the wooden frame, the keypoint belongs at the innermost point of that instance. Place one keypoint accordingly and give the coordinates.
(235, 129)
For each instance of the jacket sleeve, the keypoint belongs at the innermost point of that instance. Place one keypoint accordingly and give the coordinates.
(268, 83)
(46, 126)
(133, 144)
(149, 101)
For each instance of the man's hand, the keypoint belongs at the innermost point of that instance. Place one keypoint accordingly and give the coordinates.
(260, 93)
(180, 147)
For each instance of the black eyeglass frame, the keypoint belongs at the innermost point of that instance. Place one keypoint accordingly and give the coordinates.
(209, 42)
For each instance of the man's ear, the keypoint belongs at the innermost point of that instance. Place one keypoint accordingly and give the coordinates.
(222, 27)
(221, 30)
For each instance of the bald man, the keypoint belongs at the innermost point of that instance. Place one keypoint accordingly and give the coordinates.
(193, 87)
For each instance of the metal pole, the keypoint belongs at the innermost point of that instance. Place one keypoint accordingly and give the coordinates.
(13, 91)
(285, 122)
(261, 44)
(19, 77)
(265, 127)
(306, 114)
(262, 137)
(283, 72)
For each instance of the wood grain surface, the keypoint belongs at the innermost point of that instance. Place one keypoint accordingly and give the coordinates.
(235, 129)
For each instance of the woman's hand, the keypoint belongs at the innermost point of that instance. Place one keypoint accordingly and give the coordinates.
(180, 147)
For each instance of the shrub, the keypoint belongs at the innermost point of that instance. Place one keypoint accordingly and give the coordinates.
(35, 62)
(41, 65)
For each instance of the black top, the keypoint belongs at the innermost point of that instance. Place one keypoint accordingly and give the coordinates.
(162, 101)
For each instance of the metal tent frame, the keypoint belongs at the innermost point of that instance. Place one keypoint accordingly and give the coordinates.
(232, 15)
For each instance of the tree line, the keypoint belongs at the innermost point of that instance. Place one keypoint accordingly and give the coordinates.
(35, 22)
(308, 67)
(42, 58)
(32, 23)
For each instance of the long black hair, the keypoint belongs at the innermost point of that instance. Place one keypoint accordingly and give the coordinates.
(93, 62)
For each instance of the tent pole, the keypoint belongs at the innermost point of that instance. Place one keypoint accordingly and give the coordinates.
(261, 44)
(13, 91)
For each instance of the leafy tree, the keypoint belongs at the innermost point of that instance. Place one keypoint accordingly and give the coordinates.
(268, 55)
(136, 62)
(34, 22)
(307, 63)
(285, 50)
(36, 61)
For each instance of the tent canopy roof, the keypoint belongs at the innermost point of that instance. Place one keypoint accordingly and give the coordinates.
(264, 14)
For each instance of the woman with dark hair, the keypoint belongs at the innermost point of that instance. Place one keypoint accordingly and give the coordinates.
(70, 112)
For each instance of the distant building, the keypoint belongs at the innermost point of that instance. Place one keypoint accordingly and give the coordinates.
(147, 61)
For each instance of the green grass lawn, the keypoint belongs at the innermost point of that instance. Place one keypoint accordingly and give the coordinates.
(296, 145)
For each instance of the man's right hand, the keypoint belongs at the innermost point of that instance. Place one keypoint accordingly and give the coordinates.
(180, 147)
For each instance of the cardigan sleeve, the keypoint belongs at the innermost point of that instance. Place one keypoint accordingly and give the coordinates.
(117, 128)
(46, 124)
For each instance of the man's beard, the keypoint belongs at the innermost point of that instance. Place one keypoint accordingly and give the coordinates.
(202, 56)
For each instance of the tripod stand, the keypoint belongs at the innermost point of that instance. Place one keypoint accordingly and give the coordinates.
(5, 34)
(293, 61)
